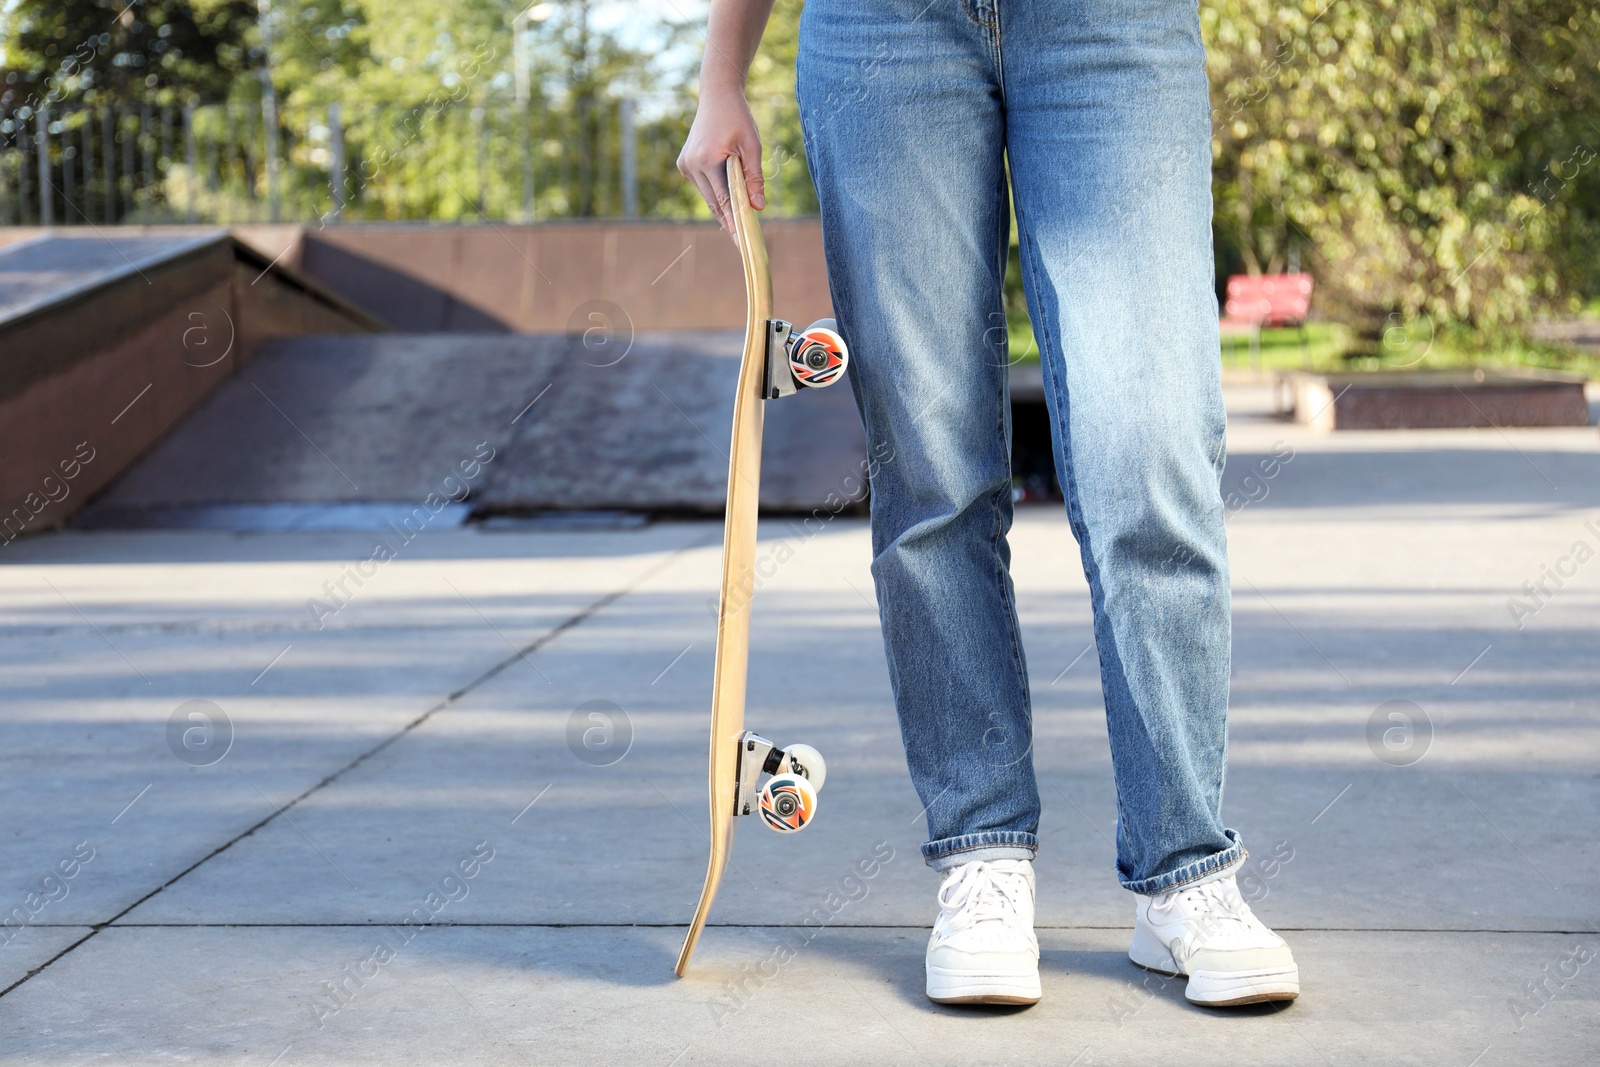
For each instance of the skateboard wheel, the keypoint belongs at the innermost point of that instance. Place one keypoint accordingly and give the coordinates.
(818, 355)
(787, 803)
(807, 762)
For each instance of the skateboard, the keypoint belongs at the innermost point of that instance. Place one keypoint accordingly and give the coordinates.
(777, 362)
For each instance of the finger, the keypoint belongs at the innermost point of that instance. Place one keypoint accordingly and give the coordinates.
(750, 156)
(718, 176)
(709, 195)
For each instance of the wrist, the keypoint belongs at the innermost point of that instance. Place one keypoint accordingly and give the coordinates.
(722, 80)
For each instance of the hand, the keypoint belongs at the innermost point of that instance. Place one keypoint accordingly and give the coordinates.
(723, 127)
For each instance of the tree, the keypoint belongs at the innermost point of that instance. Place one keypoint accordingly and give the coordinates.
(110, 51)
(1432, 157)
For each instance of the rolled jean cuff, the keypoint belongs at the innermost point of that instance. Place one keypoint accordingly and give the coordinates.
(1199, 870)
(989, 845)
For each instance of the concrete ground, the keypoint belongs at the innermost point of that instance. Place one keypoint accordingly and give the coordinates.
(230, 881)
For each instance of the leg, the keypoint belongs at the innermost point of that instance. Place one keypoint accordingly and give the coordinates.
(1108, 136)
(904, 125)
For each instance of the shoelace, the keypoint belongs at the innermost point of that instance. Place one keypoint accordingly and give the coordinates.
(1213, 904)
(980, 894)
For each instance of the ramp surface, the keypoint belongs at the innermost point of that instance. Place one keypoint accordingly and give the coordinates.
(387, 418)
(109, 339)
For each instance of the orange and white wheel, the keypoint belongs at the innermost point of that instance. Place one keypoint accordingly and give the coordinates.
(788, 802)
(818, 355)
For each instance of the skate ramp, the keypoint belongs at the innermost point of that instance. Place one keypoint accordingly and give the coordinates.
(542, 423)
(110, 338)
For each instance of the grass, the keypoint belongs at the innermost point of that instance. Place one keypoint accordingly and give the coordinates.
(1324, 347)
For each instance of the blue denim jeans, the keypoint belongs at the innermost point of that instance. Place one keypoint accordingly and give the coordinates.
(919, 116)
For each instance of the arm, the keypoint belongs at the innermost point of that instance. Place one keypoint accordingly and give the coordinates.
(723, 125)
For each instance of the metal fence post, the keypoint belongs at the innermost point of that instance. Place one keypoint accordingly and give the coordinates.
(86, 161)
(269, 107)
(128, 175)
(525, 125)
(192, 178)
(46, 200)
(108, 167)
(269, 119)
(68, 156)
(147, 150)
(482, 152)
(5, 184)
(24, 142)
(336, 160)
(630, 162)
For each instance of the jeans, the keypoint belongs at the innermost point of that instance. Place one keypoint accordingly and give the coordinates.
(918, 115)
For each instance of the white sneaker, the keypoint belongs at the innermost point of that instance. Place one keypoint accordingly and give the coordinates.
(983, 950)
(1207, 931)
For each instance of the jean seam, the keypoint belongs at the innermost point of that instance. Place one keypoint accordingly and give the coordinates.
(999, 58)
(1002, 501)
(1237, 861)
(989, 22)
(1049, 348)
(1031, 847)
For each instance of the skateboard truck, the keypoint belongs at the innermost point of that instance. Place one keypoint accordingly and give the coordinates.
(813, 358)
(788, 799)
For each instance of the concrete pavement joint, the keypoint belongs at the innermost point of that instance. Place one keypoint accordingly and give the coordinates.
(303, 834)
(494, 671)
(495, 628)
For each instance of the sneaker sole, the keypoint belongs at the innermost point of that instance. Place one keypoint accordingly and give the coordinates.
(1218, 989)
(945, 987)
(1221, 989)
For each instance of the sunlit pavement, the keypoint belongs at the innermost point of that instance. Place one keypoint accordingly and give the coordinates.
(453, 811)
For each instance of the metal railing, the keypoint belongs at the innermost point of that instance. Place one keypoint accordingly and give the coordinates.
(601, 157)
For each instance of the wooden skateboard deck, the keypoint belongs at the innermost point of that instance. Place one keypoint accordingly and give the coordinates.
(776, 363)
(738, 551)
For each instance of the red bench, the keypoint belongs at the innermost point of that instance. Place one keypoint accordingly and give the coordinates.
(1257, 300)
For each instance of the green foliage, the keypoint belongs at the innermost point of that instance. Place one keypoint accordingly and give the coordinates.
(1430, 161)
(1432, 158)
(103, 51)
